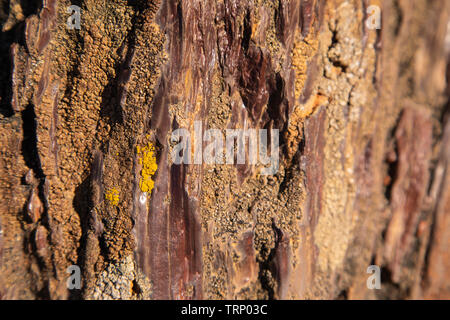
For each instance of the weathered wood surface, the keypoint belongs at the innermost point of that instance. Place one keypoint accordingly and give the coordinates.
(364, 129)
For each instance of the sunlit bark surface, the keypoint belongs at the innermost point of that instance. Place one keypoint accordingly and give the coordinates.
(87, 178)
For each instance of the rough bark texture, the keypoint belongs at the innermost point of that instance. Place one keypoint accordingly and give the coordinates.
(364, 149)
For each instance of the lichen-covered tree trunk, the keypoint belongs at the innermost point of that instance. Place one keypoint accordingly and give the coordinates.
(87, 176)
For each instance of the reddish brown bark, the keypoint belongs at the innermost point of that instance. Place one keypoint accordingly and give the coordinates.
(364, 149)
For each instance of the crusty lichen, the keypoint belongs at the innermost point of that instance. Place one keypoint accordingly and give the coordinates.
(121, 281)
(147, 159)
(302, 53)
(112, 195)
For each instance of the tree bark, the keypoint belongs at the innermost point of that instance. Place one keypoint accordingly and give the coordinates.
(88, 114)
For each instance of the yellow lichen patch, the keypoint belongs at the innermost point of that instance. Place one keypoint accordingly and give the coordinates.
(302, 52)
(147, 159)
(112, 195)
